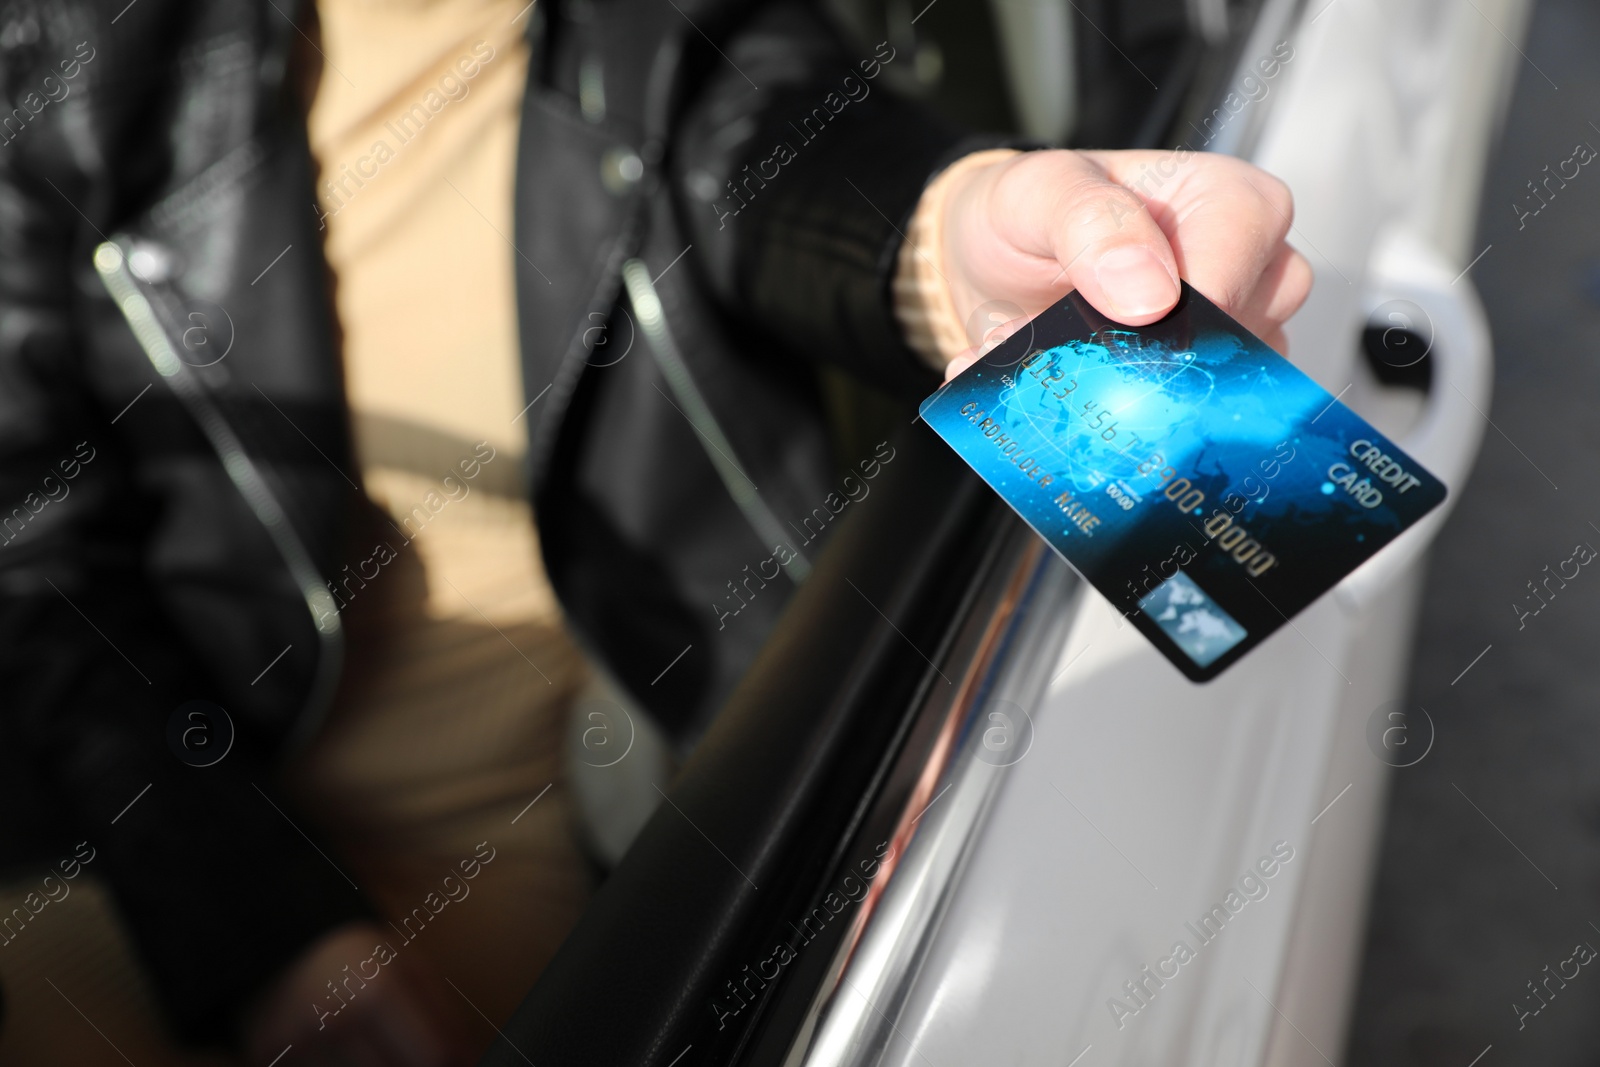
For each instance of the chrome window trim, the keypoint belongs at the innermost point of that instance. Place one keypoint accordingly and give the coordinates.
(850, 1020)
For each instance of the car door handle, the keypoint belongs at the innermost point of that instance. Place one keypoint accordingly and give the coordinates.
(1445, 439)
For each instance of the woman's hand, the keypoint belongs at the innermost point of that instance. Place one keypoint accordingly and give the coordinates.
(1121, 228)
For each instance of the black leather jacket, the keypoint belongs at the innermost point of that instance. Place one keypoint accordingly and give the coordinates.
(170, 519)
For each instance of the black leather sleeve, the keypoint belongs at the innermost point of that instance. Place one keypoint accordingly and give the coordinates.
(215, 885)
(798, 171)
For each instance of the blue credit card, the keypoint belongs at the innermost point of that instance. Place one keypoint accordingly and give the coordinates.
(1204, 485)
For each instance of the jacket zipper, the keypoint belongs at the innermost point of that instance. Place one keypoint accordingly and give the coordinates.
(658, 336)
(111, 263)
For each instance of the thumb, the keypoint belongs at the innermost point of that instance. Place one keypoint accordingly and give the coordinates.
(1098, 235)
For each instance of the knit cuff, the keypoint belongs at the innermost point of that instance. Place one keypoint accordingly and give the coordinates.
(923, 305)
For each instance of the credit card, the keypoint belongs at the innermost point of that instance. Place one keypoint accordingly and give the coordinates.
(1204, 485)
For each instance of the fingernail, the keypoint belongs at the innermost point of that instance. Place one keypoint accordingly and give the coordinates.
(1135, 282)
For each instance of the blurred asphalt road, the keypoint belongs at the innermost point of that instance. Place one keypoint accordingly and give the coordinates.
(1470, 904)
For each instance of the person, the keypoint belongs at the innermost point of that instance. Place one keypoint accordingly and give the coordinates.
(323, 306)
